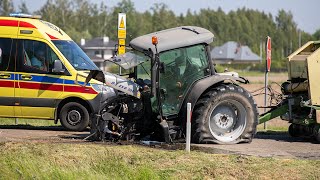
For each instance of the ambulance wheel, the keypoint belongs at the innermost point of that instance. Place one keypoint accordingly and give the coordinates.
(74, 116)
(226, 114)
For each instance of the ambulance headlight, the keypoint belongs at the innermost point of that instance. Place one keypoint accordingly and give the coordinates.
(103, 89)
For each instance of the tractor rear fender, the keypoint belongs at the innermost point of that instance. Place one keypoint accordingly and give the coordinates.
(200, 86)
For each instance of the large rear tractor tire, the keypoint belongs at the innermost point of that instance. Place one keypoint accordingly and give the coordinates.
(226, 114)
(74, 116)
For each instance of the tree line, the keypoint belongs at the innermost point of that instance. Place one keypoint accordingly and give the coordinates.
(82, 19)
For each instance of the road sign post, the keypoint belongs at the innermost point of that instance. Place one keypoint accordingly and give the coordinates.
(122, 33)
(268, 66)
(122, 46)
(188, 136)
(268, 53)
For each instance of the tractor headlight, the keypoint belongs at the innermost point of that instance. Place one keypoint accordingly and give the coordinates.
(103, 89)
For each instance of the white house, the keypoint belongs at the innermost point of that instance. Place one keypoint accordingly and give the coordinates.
(232, 52)
(99, 49)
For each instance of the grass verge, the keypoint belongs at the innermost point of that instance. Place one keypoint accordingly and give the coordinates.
(27, 122)
(260, 128)
(101, 161)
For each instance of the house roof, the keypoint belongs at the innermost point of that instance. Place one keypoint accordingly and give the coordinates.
(245, 54)
(99, 43)
(232, 51)
(226, 51)
(173, 38)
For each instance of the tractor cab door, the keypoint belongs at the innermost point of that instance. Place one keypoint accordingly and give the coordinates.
(181, 68)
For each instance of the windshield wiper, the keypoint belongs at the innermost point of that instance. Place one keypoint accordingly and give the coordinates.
(145, 70)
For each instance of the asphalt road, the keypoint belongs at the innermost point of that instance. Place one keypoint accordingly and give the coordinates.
(265, 144)
(272, 144)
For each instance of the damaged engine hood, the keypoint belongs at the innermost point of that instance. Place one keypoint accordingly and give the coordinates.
(117, 82)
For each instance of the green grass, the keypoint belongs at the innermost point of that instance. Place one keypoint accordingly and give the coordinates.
(273, 128)
(105, 161)
(250, 73)
(27, 122)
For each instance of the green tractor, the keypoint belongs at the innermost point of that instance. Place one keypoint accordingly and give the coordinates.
(171, 68)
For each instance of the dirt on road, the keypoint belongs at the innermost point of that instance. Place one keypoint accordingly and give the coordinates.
(265, 144)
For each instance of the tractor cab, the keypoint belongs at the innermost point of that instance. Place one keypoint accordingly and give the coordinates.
(169, 62)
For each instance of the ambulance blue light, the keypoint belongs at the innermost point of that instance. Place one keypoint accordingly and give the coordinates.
(23, 15)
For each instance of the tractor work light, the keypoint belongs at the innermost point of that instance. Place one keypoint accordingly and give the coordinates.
(154, 40)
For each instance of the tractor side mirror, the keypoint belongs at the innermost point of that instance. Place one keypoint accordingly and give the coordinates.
(57, 67)
(161, 67)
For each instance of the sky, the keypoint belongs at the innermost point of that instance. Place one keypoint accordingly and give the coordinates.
(305, 12)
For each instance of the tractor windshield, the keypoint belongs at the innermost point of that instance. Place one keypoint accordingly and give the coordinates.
(130, 59)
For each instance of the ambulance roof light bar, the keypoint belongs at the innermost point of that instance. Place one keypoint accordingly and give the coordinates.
(23, 15)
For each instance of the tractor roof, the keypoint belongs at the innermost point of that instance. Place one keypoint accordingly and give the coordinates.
(173, 38)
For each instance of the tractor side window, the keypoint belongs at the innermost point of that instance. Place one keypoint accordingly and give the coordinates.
(197, 63)
(7, 54)
(187, 64)
(36, 57)
(182, 67)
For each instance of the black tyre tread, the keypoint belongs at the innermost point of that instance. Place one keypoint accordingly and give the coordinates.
(294, 130)
(201, 133)
(79, 127)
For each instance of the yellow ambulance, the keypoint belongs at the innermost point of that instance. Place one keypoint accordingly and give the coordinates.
(42, 74)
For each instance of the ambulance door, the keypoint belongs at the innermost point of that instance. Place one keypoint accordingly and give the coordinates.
(38, 89)
(7, 76)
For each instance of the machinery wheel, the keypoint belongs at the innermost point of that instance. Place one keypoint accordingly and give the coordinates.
(74, 116)
(293, 130)
(226, 114)
(317, 135)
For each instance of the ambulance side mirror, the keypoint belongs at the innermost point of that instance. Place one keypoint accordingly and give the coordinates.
(57, 67)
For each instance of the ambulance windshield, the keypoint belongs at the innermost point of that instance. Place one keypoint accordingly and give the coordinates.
(74, 54)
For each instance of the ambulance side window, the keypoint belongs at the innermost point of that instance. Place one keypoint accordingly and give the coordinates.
(7, 54)
(36, 57)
